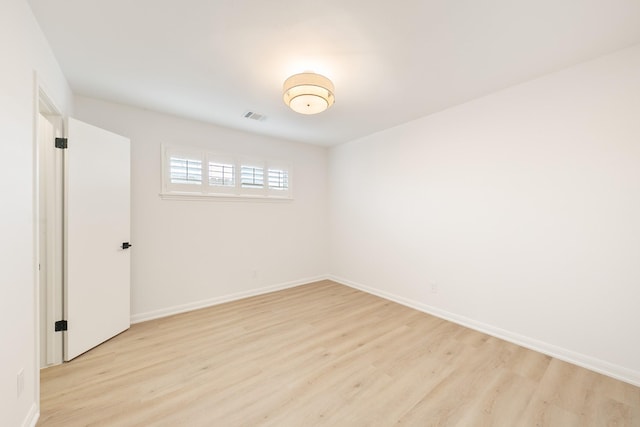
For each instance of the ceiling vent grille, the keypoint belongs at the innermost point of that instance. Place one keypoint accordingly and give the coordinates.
(255, 116)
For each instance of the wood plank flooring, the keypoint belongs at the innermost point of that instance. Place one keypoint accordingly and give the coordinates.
(324, 355)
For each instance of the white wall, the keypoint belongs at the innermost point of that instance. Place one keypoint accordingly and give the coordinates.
(523, 207)
(23, 50)
(191, 253)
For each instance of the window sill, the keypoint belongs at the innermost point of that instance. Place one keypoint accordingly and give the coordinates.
(224, 197)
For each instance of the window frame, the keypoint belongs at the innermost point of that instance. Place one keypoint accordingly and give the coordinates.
(256, 164)
(278, 166)
(213, 190)
(170, 187)
(206, 191)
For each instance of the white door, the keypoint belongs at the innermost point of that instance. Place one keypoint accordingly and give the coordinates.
(97, 295)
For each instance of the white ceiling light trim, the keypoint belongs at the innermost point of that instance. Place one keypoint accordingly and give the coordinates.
(308, 93)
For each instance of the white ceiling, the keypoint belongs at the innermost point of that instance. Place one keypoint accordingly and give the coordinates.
(391, 61)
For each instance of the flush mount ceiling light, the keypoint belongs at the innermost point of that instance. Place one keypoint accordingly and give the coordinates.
(308, 93)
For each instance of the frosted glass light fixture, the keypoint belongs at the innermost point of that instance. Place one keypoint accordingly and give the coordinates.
(308, 93)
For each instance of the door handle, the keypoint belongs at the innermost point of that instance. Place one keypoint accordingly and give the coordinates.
(126, 245)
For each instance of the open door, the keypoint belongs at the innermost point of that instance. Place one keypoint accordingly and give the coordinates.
(97, 231)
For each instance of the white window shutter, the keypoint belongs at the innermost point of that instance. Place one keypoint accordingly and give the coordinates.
(195, 173)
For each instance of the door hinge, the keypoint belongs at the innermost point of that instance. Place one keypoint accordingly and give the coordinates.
(61, 143)
(61, 325)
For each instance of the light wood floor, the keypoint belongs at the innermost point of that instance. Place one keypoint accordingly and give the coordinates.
(324, 354)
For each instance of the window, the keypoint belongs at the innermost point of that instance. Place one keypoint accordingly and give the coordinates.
(278, 179)
(185, 171)
(252, 177)
(222, 174)
(200, 174)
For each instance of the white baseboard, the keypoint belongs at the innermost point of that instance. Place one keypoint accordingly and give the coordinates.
(164, 312)
(588, 362)
(32, 417)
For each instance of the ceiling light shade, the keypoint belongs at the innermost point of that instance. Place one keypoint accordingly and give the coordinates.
(308, 93)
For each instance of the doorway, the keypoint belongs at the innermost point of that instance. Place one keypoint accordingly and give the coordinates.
(82, 234)
(50, 223)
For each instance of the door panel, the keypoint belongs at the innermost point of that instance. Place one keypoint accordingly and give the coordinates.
(97, 198)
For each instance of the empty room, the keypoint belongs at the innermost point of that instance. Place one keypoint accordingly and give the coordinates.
(337, 213)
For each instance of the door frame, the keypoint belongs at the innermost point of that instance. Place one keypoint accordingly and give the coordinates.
(44, 104)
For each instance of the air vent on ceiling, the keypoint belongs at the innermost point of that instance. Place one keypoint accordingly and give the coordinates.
(255, 116)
